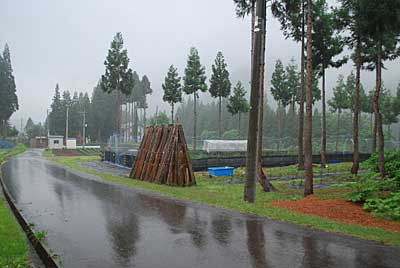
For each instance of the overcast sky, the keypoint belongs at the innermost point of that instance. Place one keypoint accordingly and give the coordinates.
(66, 42)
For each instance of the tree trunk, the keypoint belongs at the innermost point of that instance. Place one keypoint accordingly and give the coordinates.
(308, 185)
(119, 120)
(239, 125)
(132, 120)
(356, 154)
(126, 121)
(144, 118)
(323, 149)
(301, 97)
(219, 117)
(251, 159)
(293, 122)
(381, 158)
(278, 111)
(374, 134)
(337, 130)
(172, 113)
(136, 123)
(194, 122)
(262, 178)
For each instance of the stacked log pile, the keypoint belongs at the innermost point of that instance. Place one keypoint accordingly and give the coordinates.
(163, 157)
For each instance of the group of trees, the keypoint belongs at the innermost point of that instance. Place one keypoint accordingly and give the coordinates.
(77, 104)
(114, 104)
(371, 29)
(194, 81)
(131, 91)
(8, 96)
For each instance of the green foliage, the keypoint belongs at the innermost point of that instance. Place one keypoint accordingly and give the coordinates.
(8, 96)
(208, 134)
(279, 88)
(13, 246)
(388, 207)
(392, 163)
(102, 120)
(220, 86)
(118, 76)
(160, 119)
(33, 130)
(172, 88)
(144, 89)
(238, 102)
(340, 97)
(41, 235)
(293, 82)
(231, 134)
(381, 196)
(289, 14)
(326, 39)
(195, 77)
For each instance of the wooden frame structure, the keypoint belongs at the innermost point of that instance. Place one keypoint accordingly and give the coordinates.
(163, 157)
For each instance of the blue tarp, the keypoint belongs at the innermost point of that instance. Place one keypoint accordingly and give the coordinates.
(5, 144)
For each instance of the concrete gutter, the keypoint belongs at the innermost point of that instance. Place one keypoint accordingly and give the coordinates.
(41, 250)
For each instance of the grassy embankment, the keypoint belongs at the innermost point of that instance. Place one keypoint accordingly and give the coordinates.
(13, 244)
(215, 192)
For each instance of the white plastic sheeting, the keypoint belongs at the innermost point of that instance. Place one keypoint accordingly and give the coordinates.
(225, 146)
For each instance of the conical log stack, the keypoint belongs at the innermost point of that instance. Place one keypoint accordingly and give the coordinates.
(163, 157)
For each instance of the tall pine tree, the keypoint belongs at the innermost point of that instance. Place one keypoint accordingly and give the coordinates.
(381, 22)
(118, 76)
(8, 96)
(220, 86)
(172, 89)
(194, 81)
(238, 103)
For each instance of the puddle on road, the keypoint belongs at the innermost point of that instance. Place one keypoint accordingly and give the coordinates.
(94, 224)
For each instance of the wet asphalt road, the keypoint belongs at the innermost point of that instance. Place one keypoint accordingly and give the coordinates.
(91, 223)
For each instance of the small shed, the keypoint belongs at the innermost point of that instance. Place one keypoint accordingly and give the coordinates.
(56, 142)
(71, 143)
(39, 142)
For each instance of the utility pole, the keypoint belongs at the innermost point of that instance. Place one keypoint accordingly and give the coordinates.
(48, 124)
(252, 138)
(84, 127)
(66, 126)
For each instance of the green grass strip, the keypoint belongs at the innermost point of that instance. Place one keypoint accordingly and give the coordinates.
(13, 244)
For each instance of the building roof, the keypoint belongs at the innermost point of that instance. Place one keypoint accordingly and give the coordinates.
(55, 137)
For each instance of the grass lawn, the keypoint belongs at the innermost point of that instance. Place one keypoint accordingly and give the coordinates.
(293, 171)
(213, 191)
(13, 244)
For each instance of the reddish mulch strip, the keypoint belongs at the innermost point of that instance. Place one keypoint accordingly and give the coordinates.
(335, 209)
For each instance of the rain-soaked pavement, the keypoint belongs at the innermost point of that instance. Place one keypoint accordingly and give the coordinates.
(92, 223)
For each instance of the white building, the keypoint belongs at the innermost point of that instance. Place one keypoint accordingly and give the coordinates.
(71, 143)
(56, 142)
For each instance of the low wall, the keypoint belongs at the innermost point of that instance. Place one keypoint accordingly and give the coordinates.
(267, 161)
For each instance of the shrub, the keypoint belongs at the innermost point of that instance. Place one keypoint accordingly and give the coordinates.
(380, 196)
(231, 134)
(392, 163)
(388, 207)
(208, 134)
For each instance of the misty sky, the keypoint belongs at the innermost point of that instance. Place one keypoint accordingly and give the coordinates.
(66, 42)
